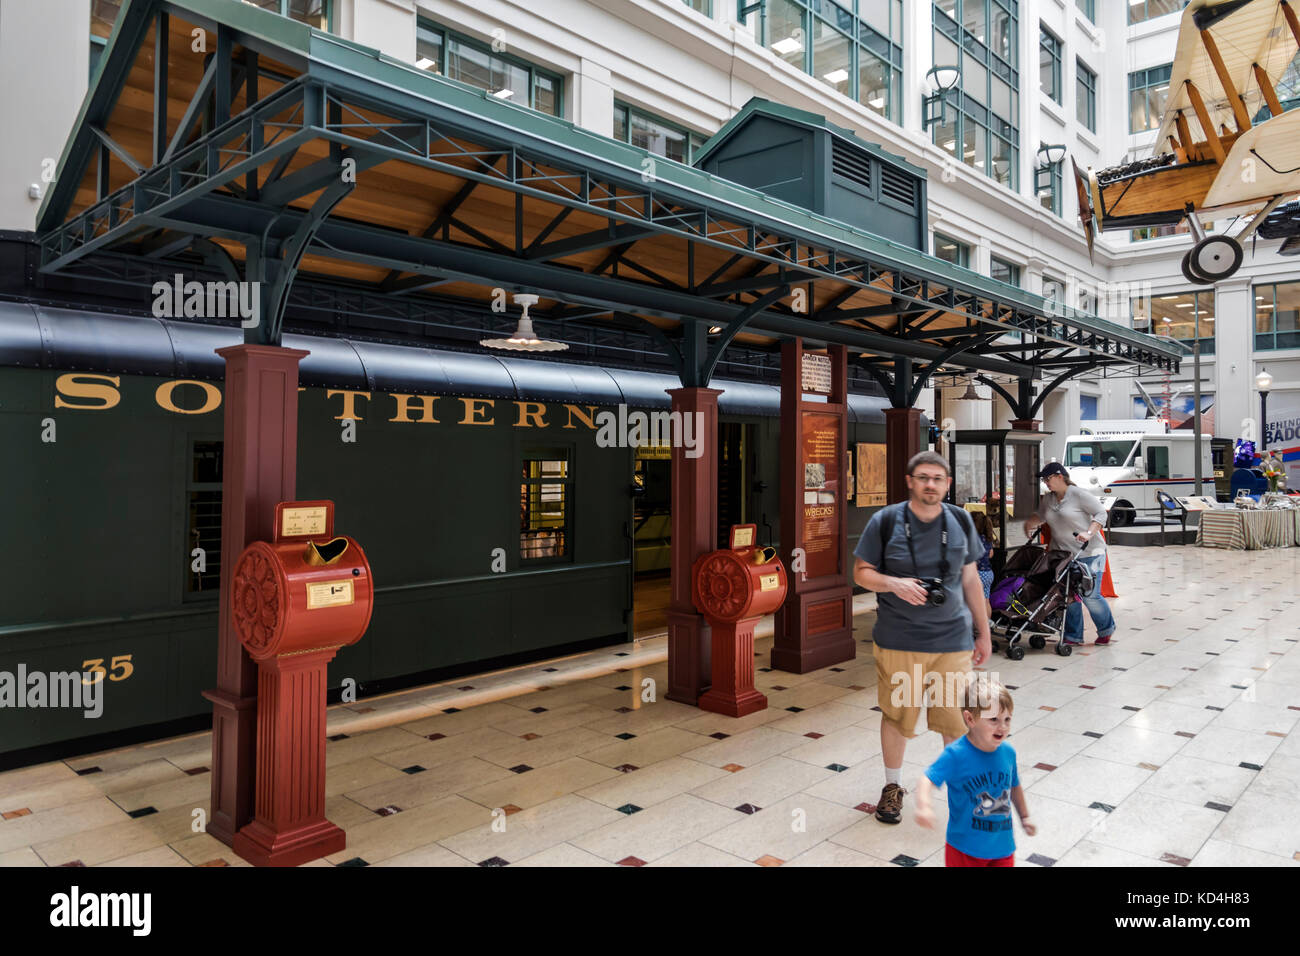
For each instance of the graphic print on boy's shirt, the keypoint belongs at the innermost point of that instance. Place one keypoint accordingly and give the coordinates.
(979, 797)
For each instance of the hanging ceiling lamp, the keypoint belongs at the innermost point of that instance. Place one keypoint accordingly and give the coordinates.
(970, 395)
(524, 339)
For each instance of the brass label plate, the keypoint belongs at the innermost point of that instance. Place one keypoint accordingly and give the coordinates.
(329, 593)
(743, 538)
(302, 522)
(769, 582)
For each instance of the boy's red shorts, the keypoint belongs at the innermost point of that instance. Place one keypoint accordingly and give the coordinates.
(954, 857)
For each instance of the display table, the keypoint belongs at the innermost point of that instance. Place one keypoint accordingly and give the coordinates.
(1242, 529)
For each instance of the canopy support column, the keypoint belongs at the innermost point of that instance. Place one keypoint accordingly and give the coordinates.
(694, 532)
(259, 470)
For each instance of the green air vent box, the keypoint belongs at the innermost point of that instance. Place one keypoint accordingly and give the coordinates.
(798, 157)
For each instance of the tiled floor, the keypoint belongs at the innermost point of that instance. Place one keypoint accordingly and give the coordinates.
(1178, 745)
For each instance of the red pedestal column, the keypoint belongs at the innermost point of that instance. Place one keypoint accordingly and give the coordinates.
(290, 826)
(694, 532)
(902, 441)
(733, 690)
(814, 626)
(260, 458)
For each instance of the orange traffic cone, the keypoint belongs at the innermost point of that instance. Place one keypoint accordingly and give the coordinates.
(1107, 585)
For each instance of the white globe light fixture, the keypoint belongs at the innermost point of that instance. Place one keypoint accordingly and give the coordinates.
(524, 338)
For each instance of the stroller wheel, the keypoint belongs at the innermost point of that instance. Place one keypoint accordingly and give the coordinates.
(1038, 642)
(1015, 652)
(1064, 649)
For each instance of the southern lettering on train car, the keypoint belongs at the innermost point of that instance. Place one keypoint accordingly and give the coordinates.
(619, 428)
(87, 391)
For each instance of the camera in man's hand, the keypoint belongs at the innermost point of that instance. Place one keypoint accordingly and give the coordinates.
(934, 592)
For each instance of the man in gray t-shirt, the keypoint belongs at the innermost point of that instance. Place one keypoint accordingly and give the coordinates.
(924, 646)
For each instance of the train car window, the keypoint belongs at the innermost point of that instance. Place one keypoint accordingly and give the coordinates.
(545, 504)
(203, 508)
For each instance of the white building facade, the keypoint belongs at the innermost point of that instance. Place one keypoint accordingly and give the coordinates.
(666, 74)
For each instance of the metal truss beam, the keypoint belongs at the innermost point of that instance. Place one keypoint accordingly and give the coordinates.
(307, 108)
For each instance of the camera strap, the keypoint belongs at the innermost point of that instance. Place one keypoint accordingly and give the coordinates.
(944, 566)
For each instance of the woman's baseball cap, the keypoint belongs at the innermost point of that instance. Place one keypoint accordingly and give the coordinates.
(1055, 468)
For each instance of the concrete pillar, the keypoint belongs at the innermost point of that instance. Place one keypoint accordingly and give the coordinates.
(593, 98)
(1235, 398)
(386, 25)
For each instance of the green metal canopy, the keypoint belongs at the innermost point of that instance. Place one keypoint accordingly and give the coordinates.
(272, 149)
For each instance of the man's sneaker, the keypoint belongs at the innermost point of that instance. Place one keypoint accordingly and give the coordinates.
(1103, 641)
(890, 807)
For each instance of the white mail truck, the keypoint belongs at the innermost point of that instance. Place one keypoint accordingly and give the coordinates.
(1127, 461)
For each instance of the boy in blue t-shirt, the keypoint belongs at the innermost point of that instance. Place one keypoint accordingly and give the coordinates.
(980, 773)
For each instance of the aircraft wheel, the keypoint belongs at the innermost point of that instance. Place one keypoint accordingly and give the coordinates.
(1216, 257)
(1190, 273)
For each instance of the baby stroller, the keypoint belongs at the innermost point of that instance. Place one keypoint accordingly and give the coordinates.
(1031, 595)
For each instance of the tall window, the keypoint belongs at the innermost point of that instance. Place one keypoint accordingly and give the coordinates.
(1049, 185)
(1089, 8)
(203, 508)
(1148, 91)
(1181, 315)
(1085, 96)
(950, 250)
(701, 6)
(656, 135)
(1277, 316)
(545, 492)
(504, 76)
(1004, 271)
(1139, 10)
(855, 47)
(1049, 64)
(982, 119)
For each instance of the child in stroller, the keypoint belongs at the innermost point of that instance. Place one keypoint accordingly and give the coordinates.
(1031, 594)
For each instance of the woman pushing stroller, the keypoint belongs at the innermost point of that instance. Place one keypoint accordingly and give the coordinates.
(1075, 519)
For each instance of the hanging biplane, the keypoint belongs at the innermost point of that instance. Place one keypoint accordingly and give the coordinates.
(1226, 143)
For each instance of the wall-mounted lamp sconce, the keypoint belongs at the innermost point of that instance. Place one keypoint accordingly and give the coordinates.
(938, 81)
(1048, 158)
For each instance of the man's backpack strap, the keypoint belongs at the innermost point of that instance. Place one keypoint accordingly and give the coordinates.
(888, 518)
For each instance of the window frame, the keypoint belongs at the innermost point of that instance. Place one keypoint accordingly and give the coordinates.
(976, 122)
(1088, 86)
(1056, 52)
(427, 25)
(694, 140)
(1144, 5)
(567, 452)
(963, 250)
(1144, 81)
(1088, 8)
(189, 487)
(1267, 341)
(864, 39)
(1210, 313)
(1014, 269)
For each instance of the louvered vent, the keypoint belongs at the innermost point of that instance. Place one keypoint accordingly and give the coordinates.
(898, 186)
(850, 165)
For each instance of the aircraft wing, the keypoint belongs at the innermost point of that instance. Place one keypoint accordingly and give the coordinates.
(1264, 161)
(1243, 33)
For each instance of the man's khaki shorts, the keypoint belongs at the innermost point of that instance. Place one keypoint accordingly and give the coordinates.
(908, 680)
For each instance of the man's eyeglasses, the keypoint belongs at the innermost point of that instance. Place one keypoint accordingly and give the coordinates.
(930, 479)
